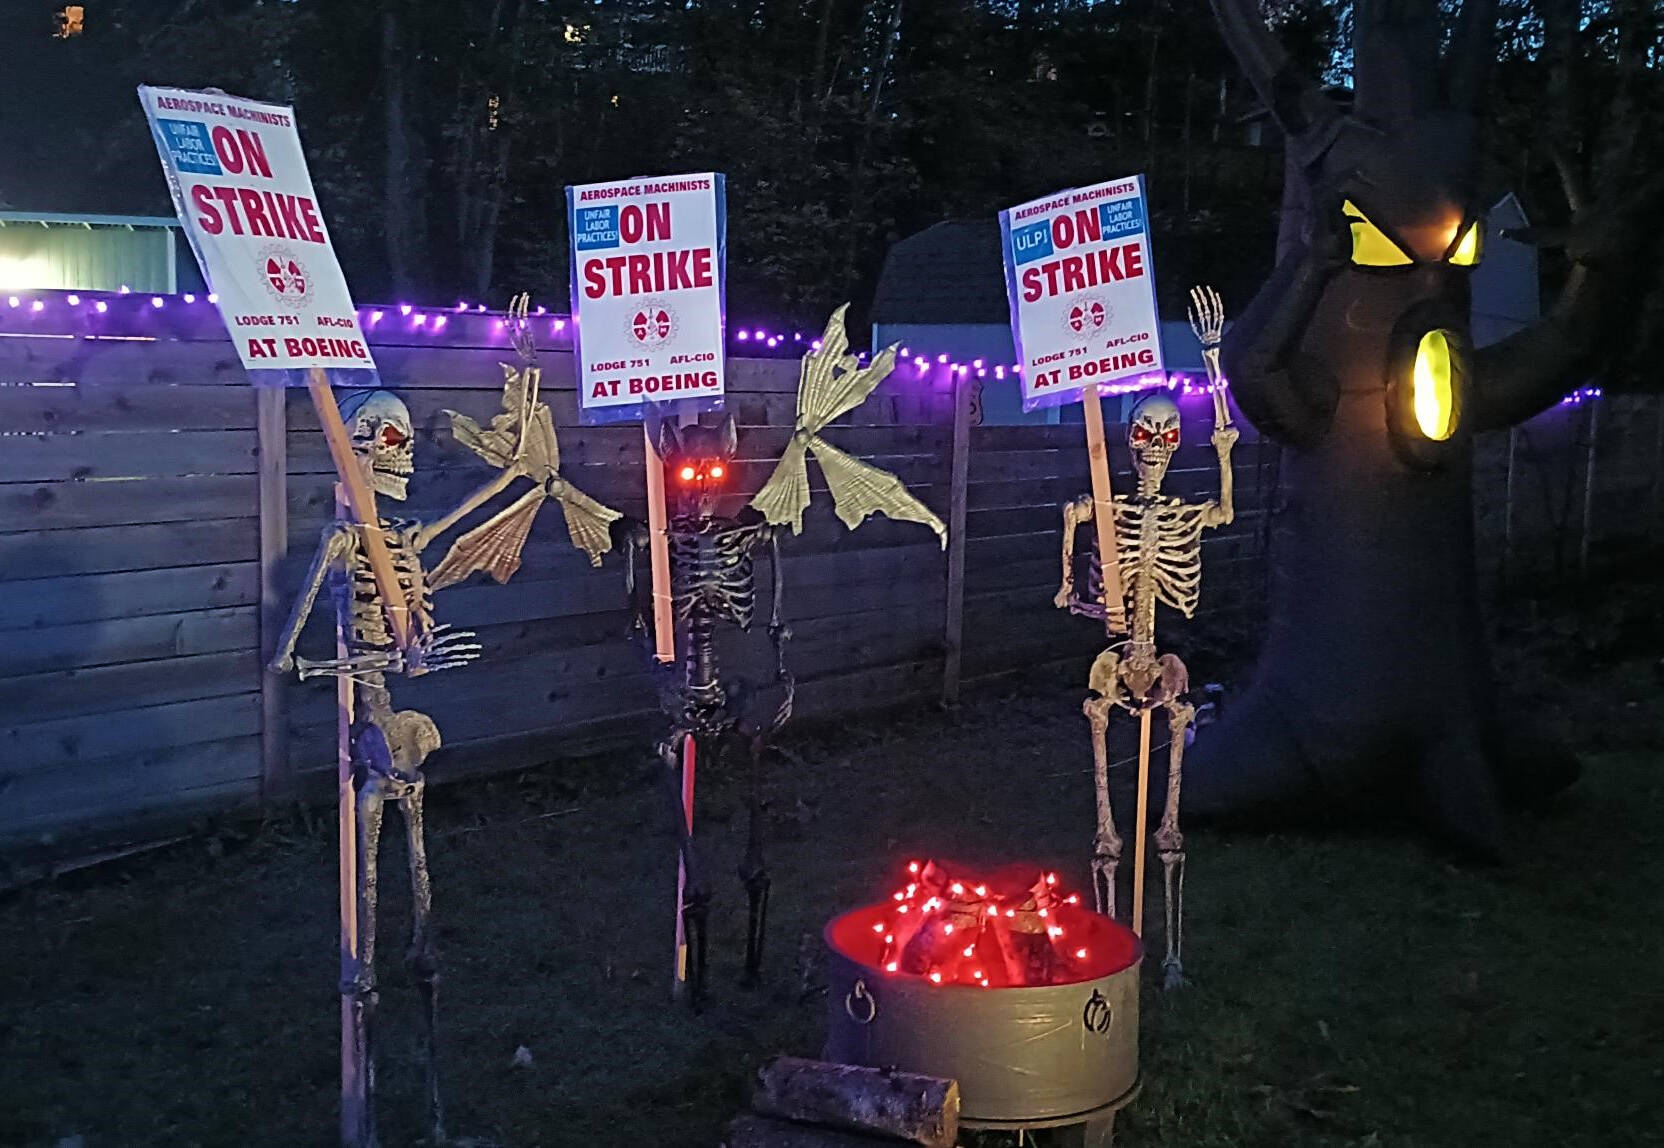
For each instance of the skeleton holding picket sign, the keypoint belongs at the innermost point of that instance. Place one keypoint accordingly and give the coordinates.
(1158, 555)
(389, 747)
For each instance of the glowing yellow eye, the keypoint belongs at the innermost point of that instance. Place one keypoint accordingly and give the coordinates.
(1370, 245)
(1430, 394)
(1468, 252)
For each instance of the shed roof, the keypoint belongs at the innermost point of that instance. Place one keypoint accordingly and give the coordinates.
(58, 219)
(953, 272)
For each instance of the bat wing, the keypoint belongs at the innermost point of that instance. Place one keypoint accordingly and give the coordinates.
(587, 521)
(785, 495)
(493, 546)
(860, 489)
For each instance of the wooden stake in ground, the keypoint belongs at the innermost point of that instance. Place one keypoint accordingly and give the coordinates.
(1115, 621)
(357, 1118)
(1139, 833)
(664, 635)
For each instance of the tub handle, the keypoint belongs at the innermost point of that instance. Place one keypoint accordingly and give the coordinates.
(858, 1001)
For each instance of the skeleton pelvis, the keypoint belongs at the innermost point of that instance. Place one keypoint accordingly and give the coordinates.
(1138, 681)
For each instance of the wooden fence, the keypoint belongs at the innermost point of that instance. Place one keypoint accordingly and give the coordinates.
(156, 515)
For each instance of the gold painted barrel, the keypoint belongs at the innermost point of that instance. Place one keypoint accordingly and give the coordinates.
(1021, 1055)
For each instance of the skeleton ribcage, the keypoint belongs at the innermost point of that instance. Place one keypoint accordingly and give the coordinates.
(711, 569)
(369, 617)
(1175, 562)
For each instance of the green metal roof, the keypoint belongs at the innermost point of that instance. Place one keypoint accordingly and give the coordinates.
(58, 219)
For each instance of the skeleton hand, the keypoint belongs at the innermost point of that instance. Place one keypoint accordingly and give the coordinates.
(1224, 438)
(441, 648)
(1207, 316)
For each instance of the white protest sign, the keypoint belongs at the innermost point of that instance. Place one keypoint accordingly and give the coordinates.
(649, 260)
(242, 191)
(1080, 281)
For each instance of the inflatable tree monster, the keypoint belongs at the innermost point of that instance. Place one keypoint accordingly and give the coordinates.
(1374, 688)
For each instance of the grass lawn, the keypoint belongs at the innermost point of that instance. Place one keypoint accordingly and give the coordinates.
(1355, 991)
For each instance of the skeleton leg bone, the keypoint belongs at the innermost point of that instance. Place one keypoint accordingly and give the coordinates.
(1170, 842)
(360, 986)
(753, 873)
(421, 957)
(1106, 844)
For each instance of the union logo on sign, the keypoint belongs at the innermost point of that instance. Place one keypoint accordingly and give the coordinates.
(286, 277)
(652, 323)
(1085, 316)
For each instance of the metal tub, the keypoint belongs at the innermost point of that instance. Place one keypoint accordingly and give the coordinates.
(1020, 1055)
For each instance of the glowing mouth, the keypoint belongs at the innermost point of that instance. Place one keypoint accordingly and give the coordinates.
(1430, 393)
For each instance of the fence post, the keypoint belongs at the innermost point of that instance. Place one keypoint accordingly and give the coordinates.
(1588, 489)
(954, 624)
(271, 422)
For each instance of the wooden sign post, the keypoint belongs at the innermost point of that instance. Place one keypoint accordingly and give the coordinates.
(664, 633)
(1115, 622)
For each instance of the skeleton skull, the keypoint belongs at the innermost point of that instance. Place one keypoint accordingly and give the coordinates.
(1153, 436)
(381, 437)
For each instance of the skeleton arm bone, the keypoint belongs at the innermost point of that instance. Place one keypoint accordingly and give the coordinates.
(1223, 512)
(429, 531)
(1074, 513)
(336, 545)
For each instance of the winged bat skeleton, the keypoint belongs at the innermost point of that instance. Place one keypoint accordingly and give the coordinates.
(389, 747)
(713, 584)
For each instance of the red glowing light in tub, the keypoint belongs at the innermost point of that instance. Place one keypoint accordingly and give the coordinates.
(1017, 929)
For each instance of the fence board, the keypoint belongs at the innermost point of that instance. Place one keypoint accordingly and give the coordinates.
(33, 554)
(125, 502)
(61, 601)
(44, 744)
(61, 409)
(95, 690)
(129, 640)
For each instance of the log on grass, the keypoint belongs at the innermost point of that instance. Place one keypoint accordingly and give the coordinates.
(921, 1110)
(751, 1131)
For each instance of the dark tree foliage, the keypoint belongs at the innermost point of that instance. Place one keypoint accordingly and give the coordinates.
(442, 132)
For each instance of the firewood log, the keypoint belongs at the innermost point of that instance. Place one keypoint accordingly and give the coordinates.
(921, 1110)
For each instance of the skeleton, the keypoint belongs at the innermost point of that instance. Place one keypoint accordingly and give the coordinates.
(713, 583)
(1159, 557)
(389, 747)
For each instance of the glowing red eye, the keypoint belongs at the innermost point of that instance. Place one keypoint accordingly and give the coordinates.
(1172, 437)
(391, 436)
(687, 474)
(716, 472)
(1139, 434)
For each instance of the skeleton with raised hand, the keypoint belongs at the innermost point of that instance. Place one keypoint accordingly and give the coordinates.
(713, 584)
(1158, 544)
(389, 747)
